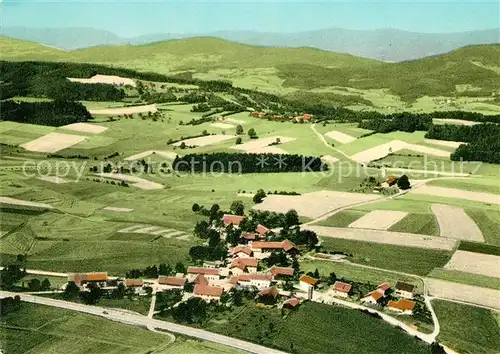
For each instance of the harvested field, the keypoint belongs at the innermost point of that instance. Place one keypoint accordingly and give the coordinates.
(385, 237)
(222, 125)
(118, 210)
(53, 142)
(141, 155)
(204, 140)
(340, 137)
(455, 223)
(451, 144)
(382, 150)
(262, 145)
(453, 121)
(313, 204)
(462, 292)
(235, 121)
(477, 263)
(13, 201)
(137, 182)
(379, 219)
(105, 79)
(458, 193)
(155, 231)
(53, 179)
(124, 110)
(85, 128)
(329, 159)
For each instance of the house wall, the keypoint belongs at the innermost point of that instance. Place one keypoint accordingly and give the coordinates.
(304, 286)
(192, 276)
(340, 294)
(405, 294)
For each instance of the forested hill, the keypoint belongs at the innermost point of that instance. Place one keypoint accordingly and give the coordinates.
(469, 71)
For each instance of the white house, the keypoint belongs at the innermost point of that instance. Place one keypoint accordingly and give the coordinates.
(341, 289)
(260, 281)
(241, 265)
(208, 273)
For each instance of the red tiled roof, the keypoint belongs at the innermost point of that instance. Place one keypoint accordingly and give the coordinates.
(244, 249)
(384, 286)
(242, 263)
(342, 287)
(206, 290)
(375, 295)
(309, 280)
(292, 302)
(173, 281)
(272, 291)
(95, 276)
(249, 236)
(281, 271)
(248, 277)
(200, 279)
(262, 230)
(286, 245)
(232, 219)
(403, 304)
(202, 270)
(133, 282)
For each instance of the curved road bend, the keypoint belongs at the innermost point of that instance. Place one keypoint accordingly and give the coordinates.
(140, 320)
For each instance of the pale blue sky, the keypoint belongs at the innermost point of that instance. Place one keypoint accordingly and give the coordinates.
(132, 18)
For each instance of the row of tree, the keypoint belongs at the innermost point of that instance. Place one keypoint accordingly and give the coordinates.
(227, 162)
(405, 121)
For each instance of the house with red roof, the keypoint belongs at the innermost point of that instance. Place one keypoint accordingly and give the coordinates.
(235, 220)
(207, 292)
(281, 273)
(261, 249)
(341, 289)
(262, 230)
(243, 265)
(241, 252)
(260, 281)
(133, 283)
(373, 297)
(306, 283)
(81, 279)
(291, 303)
(170, 282)
(249, 236)
(209, 273)
(401, 306)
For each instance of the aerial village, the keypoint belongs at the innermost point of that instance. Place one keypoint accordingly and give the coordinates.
(242, 269)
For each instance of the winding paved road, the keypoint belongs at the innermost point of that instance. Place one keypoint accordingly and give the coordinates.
(144, 321)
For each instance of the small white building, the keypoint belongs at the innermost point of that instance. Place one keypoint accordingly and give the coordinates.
(260, 281)
(341, 289)
(306, 283)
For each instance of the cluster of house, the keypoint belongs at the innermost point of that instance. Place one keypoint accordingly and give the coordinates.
(305, 117)
(241, 269)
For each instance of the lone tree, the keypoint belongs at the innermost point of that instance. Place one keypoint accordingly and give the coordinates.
(404, 182)
(237, 207)
(239, 129)
(252, 133)
(257, 198)
(195, 208)
(238, 140)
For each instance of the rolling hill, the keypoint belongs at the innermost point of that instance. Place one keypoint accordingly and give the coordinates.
(470, 71)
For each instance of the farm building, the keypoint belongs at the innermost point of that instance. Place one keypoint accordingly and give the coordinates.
(241, 252)
(341, 289)
(280, 273)
(242, 265)
(260, 281)
(170, 282)
(405, 290)
(263, 248)
(234, 220)
(80, 279)
(209, 273)
(401, 306)
(306, 283)
(262, 230)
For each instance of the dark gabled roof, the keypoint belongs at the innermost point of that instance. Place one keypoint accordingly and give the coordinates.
(404, 286)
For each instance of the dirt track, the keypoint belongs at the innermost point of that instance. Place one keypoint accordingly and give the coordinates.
(458, 193)
(385, 237)
(204, 140)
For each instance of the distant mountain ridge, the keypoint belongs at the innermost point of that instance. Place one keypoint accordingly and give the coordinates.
(390, 45)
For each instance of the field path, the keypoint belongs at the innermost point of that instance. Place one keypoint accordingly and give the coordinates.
(323, 140)
(144, 321)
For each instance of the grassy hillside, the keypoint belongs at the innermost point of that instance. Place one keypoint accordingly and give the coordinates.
(469, 71)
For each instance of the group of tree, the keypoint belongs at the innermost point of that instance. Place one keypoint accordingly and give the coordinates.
(12, 273)
(56, 113)
(229, 162)
(9, 304)
(154, 271)
(299, 236)
(407, 122)
(482, 142)
(37, 285)
(270, 219)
